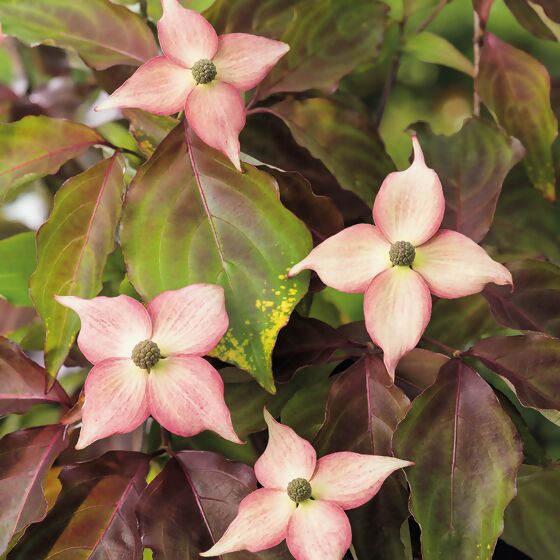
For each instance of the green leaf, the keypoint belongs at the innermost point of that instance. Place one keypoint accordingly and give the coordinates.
(101, 32)
(472, 165)
(148, 129)
(73, 246)
(155, 11)
(327, 41)
(467, 453)
(428, 47)
(191, 217)
(343, 138)
(516, 87)
(533, 517)
(18, 257)
(54, 142)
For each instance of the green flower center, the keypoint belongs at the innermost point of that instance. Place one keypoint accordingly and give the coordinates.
(402, 253)
(204, 71)
(146, 354)
(299, 490)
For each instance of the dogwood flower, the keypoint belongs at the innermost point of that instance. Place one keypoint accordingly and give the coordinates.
(147, 360)
(404, 257)
(303, 499)
(202, 74)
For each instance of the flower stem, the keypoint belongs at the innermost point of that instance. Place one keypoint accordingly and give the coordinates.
(478, 35)
(353, 552)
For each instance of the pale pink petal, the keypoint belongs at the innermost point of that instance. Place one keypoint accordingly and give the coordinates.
(184, 35)
(216, 113)
(261, 523)
(352, 479)
(319, 530)
(410, 205)
(454, 266)
(244, 60)
(286, 457)
(111, 326)
(186, 396)
(160, 86)
(397, 309)
(191, 320)
(349, 260)
(115, 400)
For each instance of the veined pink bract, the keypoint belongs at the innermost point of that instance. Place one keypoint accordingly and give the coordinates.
(202, 74)
(148, 361)
(303, 499)
(403, 258)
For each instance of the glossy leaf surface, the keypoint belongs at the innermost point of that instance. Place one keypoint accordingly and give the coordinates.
(23, 383)
(18, 257)
(344, 139)
(55, 141)
(516, 87)
(25, 458)
(222, 227)
(472, 165)
(94, 513)
(72, 248)
(460, 438)
(102, 33)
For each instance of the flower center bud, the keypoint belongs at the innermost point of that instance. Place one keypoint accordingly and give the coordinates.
(204, 71)
(146, 354)
(299, 490)
(402, 253)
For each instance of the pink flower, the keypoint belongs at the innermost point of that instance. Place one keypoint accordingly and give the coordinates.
(202, 74)
(147, 361)
(400, 260)
(302, 499)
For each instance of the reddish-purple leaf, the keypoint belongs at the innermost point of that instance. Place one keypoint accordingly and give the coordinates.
(531, 363)
(94, 515)
(101, 32)
(54, 142)
(418, 370)
(23, 383)
(526, 14)
(25, 458)
(189, 505)
(343, 138)
(483, 8)
(534, 304)
(517, 88)
(467, 453)
(363, 410)
(472, 165)
(305, 341)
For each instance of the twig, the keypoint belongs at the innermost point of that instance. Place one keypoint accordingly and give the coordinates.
(431, 16)
(353, 552)
(451, 352)
(478, 35)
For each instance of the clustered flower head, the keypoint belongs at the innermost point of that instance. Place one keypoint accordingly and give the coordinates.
(202, 74)
(147, 360)
(402, 258)
(303, 499)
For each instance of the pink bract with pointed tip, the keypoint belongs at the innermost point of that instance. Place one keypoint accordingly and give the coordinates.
(313, 528)
(409, 208)
(181, 390)
(166, 84)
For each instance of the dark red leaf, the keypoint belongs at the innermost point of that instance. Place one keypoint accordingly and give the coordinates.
(94, 513)
(25, 458)
(189, 505)
(467, 453)
(23, 382)
(534, 304)
(529, 362)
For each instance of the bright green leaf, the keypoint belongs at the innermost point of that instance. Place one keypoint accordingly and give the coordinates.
(428, 47)
(18, 257)
(73, 246)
